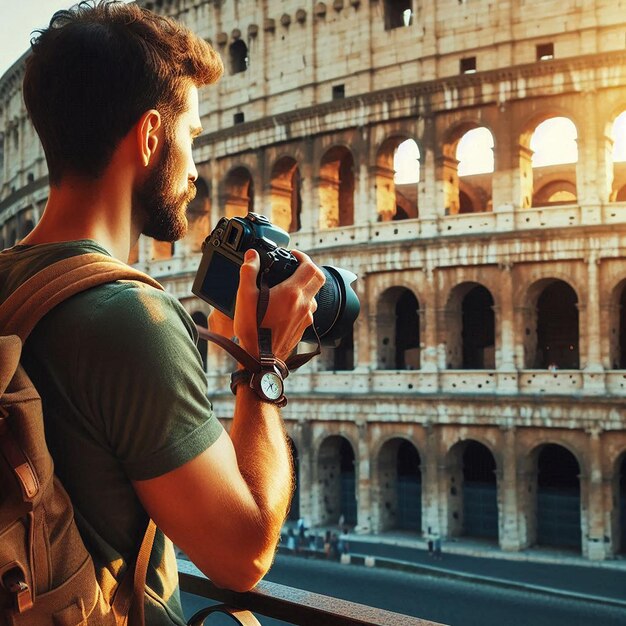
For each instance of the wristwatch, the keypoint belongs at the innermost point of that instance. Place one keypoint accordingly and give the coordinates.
(268, 384)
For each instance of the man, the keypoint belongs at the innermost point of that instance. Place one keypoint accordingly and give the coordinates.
(112, 92)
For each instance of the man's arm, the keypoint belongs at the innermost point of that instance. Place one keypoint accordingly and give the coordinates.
(225, 508)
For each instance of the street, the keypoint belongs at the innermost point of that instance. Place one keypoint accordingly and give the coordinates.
(451, 602)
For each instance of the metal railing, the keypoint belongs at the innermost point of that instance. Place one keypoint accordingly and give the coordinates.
(291, 605)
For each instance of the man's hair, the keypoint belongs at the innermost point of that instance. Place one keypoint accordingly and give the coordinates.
(97, 69)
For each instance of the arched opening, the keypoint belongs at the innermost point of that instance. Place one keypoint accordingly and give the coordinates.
(557, 327)
(474, 154)
(558, 498)
(480, 504)
(337, 481)
(398, 330)
(199, 216)
(201, 320)
(400, 485)
(478, 334)
(238, 198)
(618, 136)
(470, 328)
(555, 193)
(238, 53)
(472, 495)
(554, 156)
(397, 176)
(336, 188)
(294, 509)
(286, 195)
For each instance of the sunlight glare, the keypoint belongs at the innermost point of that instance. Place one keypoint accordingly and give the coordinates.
(554, 142)
(406, 163)
(618, 134)
(475, 152)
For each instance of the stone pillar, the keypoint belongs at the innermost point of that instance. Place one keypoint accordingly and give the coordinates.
(310, 204)
(364, 208)
(593, 506)
(505, 331)
(447, 177)
(508, 505)
(523, 182)
(589, 177)
(427, 201)
(527, 506)
(431, 494)
(305, 466)
(591, 360)
(428, 329)
(363, 480)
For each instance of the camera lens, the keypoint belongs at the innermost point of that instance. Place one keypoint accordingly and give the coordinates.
(337, 307)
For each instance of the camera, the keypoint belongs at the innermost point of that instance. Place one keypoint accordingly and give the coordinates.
(217, 278)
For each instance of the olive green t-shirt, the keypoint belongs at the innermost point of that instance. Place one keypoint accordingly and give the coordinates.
(124, 397)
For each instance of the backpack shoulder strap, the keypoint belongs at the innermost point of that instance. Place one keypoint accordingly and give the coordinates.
(23, 309)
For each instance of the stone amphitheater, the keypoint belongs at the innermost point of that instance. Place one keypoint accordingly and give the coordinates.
(467, 160)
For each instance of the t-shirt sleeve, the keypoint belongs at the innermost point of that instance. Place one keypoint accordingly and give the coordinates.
(143, 380)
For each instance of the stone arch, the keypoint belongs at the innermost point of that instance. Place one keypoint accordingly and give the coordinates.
(552, 134)
(398, 327)
(238, 56)
(472, 490)
(399, 485)
(615, 148)
(554, 193)
(336, 475)
(617, 321)
(551, 326)
(286, 194)
(475, 188)
(336, 188)
(199, 215)
(555, 511)
(238, 192)
(201, 320)
(475, 156)
(396, 190)
(294, 508)
(470, 324)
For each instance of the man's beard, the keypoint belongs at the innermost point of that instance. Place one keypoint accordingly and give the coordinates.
(163, 210)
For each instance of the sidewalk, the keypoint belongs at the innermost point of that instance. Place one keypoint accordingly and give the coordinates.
(540, 570)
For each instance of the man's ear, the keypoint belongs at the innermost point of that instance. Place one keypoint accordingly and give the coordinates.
(149, 129)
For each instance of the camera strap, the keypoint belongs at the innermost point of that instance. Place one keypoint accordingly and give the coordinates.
(266, 354)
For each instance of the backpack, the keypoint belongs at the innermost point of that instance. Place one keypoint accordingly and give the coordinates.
(46, 574)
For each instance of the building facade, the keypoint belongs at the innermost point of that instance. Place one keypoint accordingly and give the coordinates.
(481, 393)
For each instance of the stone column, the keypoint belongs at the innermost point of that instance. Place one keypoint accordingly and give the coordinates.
(305, 466)
(593, 376)
(427, 202)
(508, 505)
(431, 497)
(310, 204)
(364, 208)
(505, 330)
(363, 480)
(589, 178)
(593, 527)
(523, 180)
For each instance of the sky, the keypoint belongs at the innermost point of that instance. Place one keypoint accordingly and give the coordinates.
(18, 18)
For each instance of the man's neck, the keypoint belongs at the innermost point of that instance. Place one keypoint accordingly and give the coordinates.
(100, 210)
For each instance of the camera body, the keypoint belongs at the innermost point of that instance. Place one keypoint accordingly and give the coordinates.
(223, 252)
(217, 278)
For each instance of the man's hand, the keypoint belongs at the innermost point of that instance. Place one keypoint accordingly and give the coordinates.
(290, 310)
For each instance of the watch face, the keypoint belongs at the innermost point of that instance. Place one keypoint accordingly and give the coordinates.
(271, 385)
